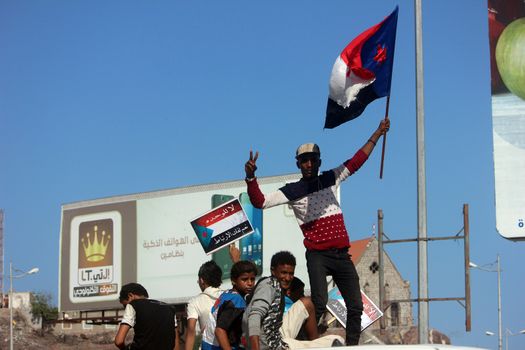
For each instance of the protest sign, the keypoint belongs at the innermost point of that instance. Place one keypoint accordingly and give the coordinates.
(337, 307)
(221, 226)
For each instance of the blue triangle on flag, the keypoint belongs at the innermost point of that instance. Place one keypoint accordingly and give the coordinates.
(204, 234)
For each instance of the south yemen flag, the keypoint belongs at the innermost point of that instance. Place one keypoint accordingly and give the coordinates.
(362, 72)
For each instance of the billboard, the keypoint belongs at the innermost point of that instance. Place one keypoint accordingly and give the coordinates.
(95, 249)
(507, 60)
(148, 238)
(95, 239)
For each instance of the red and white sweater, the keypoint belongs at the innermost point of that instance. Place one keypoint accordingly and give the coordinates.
(314, 204)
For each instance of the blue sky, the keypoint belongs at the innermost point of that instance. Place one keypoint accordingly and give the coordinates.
(108, 98)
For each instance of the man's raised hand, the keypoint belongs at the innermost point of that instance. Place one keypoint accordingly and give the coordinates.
(384, 126)
(250, 166)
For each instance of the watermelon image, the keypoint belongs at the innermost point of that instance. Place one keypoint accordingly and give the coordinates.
(510, 57)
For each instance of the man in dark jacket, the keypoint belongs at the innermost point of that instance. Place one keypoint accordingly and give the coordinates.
(154, 322)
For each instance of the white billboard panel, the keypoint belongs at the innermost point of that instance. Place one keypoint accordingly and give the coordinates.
(509, 165)
(506, 33)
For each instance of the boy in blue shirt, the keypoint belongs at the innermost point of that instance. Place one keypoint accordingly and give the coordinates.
(224, 327)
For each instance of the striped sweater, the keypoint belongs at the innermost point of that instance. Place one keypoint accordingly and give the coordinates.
(314, 204)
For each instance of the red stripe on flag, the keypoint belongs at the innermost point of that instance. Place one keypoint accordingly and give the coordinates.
(219, 214)
(351, 54)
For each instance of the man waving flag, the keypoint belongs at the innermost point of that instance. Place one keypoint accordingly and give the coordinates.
(362, 72)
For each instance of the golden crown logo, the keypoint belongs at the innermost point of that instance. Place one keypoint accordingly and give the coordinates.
(96, 251)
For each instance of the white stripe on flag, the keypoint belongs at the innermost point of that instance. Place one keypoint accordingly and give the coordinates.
(343, 89)
(228, 222)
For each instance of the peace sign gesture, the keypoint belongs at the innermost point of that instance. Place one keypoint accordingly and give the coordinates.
(250, 166)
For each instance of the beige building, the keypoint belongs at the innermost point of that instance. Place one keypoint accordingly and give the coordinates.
(22, 300)
(365, 257)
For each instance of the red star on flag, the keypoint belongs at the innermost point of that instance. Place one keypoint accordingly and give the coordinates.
(380, 56)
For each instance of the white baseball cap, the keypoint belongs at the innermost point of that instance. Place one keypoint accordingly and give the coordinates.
(307, 148)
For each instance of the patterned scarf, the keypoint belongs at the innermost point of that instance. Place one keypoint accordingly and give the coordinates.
(273, 321)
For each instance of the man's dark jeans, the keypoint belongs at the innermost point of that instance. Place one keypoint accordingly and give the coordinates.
(336, 263)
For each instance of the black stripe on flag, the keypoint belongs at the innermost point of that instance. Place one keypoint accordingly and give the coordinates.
(337, 115)
(229, 236)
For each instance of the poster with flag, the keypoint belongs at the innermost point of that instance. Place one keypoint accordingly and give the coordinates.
(362, 72)
(336, 306)
(222, 226)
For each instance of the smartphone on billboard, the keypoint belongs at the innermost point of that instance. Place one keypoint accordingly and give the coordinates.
(251, 246)
(222, 256)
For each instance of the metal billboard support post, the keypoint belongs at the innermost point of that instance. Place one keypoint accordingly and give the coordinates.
(421, 183)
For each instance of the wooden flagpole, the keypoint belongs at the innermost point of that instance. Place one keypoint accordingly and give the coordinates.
(387, 107)
(384, 139)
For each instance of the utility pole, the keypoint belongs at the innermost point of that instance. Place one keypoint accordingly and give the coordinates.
(498, 271)
(464, 301)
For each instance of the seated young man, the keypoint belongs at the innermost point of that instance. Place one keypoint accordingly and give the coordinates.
(265, 323)
(224, 328)
(304, 326)
(154, 322)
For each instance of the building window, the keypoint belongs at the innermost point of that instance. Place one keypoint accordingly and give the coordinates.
(366, 288)
(67, 325)
(86, 325)
(394, 314)
(110, 326)
(374, 267)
